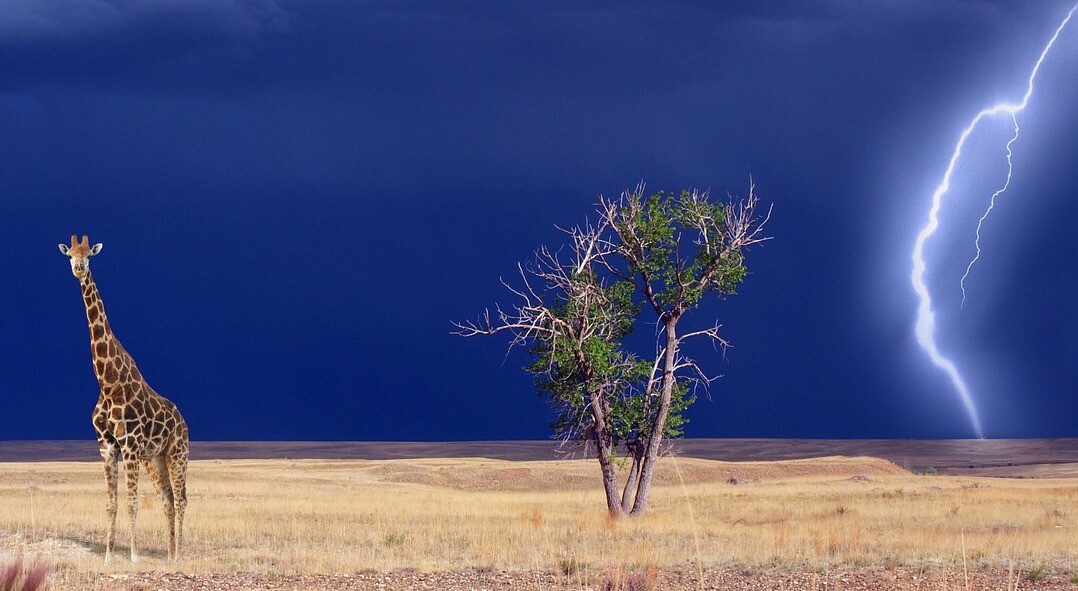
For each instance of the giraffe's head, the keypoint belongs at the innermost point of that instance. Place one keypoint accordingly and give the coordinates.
(80, 253)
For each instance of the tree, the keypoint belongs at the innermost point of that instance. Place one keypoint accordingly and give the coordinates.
(644, 259)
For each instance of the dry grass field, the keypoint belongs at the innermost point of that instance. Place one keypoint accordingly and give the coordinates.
(277, 520)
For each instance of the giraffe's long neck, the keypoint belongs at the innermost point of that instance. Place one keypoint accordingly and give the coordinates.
(112, 364)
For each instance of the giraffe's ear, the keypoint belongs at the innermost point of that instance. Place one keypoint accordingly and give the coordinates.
(63, 248)
(96, 249)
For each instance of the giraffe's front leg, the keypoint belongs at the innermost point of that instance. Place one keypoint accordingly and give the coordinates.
(131, 466)
(109, 455)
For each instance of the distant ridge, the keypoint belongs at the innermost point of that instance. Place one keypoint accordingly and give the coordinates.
(995, 457)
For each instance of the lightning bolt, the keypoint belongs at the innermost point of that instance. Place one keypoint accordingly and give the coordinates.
(926, 317)
(991, 206)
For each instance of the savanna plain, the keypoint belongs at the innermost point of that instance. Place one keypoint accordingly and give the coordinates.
(835, 522)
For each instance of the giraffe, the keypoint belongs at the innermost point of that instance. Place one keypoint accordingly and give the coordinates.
(131, 420)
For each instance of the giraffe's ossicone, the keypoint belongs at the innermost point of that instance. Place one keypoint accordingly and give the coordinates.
(133, 423)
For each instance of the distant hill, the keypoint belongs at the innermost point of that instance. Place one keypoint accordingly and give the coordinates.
(990, 457)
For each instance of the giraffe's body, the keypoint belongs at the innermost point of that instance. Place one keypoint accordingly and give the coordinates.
(132, 421)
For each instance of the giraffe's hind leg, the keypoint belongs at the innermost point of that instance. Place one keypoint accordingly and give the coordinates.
(176, 461)
(159, 475)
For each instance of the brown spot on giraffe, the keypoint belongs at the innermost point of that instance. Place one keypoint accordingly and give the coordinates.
(132, 421)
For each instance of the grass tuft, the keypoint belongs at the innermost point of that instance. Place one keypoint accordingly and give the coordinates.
(571, 565)
(1038, 573)
(618, 579)
(14, 577)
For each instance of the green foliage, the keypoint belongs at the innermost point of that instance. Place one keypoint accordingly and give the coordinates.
(674, 242)
(670, 251)
(567, 365)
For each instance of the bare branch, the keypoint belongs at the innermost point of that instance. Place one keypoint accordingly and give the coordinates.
(654, 378)
(687, 363)
(712, 333)
(743, 227)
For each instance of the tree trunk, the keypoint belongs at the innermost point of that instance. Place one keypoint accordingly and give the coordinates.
(604, 436)
(651, 452)
(605, 442)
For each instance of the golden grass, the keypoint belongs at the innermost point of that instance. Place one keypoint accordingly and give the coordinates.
(318, 516)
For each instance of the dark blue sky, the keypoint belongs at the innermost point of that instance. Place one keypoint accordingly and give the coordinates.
(297, 198)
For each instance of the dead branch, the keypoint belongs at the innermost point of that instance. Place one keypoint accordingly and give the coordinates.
(743, 226)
